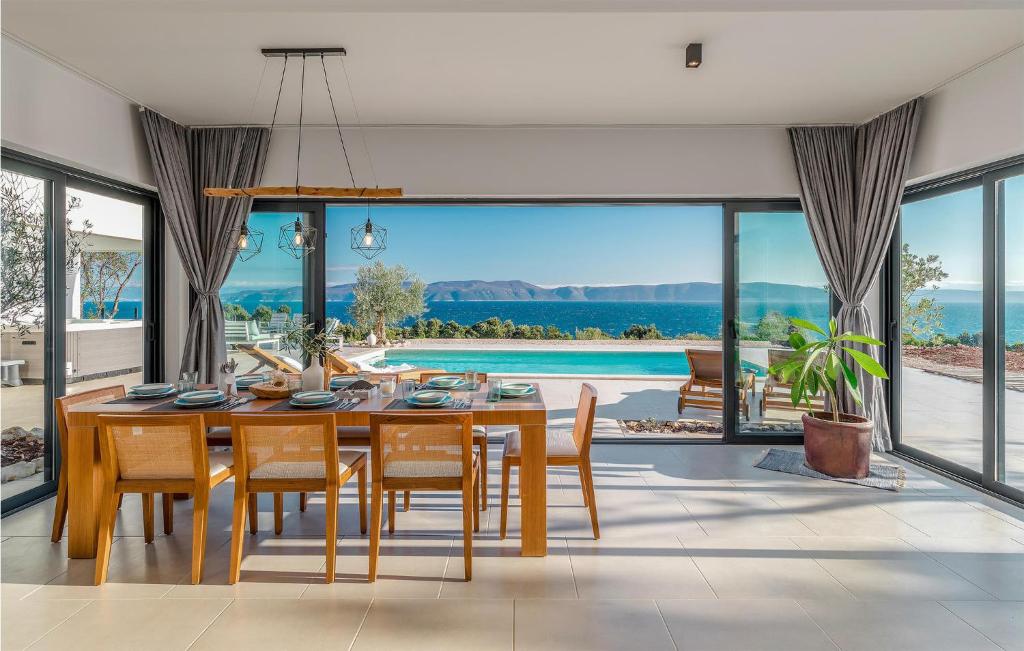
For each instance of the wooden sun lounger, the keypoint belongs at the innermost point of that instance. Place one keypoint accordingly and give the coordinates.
(338, 365)
(776, 391)
(704, 388)
(265, 358)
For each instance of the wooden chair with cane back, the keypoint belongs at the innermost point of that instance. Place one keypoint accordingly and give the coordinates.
(704, 388)
(288, 453)
(60, 511)
(157, 454)
(563, 449)
(423, 452)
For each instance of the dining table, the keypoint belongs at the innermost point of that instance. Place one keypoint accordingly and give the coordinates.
(527, 413)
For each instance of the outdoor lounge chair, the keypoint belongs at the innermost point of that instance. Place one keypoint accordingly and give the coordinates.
(248, 332)
(265, 358)
(776, 389)
(704, 388)
(278, 321)
(335, 364)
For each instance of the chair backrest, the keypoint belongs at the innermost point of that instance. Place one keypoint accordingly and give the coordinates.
(90, 397)
(421, 445)
(335, 362)
(278, 319)
(426, 375)
(779, 356)
(285, 446)
(236, 330)
(705, 366)
(142, 446)
(583, 426)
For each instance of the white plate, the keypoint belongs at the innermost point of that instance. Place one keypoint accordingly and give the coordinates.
(311, 405)
(196, 405)
(340, 381)
(201, 397)
(312, 396)
(517, 390)
(415, 403)
(152, 389)
(243, 381)
(429, 397)
(446, 381)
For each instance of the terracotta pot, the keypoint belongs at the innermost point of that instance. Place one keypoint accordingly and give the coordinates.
(840, 449)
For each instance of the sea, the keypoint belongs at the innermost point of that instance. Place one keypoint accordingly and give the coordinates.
(672, 319)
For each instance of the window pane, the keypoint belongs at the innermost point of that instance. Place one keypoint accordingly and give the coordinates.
(779, 277)
(941, 306)
(614, 292)
(1013, 218)
(26, 445)
(261, 297)
(105, 324)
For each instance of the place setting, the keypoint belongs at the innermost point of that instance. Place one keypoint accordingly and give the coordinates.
(153, 391)
(430, 399)
(314, 401)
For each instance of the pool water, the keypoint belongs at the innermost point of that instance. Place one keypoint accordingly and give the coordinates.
(547, 362)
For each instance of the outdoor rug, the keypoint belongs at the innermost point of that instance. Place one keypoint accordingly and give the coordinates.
(881, 475)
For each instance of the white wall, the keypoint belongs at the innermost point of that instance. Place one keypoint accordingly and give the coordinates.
(975, 119)
(548, 161)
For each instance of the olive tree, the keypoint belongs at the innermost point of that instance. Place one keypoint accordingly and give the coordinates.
(105, 275)
(385, 295)
(921, 317)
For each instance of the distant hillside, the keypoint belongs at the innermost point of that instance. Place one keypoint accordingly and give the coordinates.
(518, 290)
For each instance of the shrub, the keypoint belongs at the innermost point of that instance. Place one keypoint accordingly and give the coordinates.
(235, 312)
(262, 314)
(637, 331)
(591, 333)
(283, 309)
(773, 327)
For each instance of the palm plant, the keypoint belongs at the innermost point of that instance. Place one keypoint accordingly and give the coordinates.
(818, 365)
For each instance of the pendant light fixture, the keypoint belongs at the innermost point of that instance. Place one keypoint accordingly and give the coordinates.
(247, 242)
(298, 239)
(369, 239)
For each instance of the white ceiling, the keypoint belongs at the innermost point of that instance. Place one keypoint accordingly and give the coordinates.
(583, 62)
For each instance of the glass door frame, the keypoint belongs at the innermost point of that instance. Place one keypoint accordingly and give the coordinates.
(993, 336)
(730, 311)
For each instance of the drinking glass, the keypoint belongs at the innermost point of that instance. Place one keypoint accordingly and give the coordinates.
(387, 386)
(471, 379)
(407, 389)
(188, 380)
(294, 384)
(494, 392)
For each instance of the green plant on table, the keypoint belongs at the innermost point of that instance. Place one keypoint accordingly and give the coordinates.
(818, 365)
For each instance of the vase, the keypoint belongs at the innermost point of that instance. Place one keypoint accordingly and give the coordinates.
(840, 449)
(371, 339)
(313, 376)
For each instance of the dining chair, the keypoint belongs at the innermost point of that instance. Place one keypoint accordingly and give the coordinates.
(564, 449)
(423, 452)
(157, 454)
(288, 453)
(479, 443)
(60, 511)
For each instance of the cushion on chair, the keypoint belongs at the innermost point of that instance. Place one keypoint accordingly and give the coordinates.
(303, 469)
(220, 461)
(560, 444)
(413, 467)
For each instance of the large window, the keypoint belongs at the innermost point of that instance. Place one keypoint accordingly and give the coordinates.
(956, 296)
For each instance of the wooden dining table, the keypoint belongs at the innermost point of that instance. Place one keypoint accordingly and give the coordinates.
(529, 415)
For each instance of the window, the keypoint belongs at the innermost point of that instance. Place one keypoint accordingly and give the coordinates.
(1010, 470)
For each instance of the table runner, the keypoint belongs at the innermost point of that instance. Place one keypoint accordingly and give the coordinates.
(459, 404)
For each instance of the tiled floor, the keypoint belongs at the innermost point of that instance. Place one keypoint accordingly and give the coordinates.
(699, 550)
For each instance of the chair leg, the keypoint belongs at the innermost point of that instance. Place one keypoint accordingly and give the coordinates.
(483, 477)
(167, 508)
(108, 515)
(468, 510)
(200, 506)
(254, 512)
(302, 502)
(60, 509)
(332, 531)
(237, 524)
(407, 500)
(147, 516)
(476, 502)
(120, 500)
(361, 474)
(585, 469)
(391, 511)
(506, 476)
(583, 485)
(376, 509)
(278, 513)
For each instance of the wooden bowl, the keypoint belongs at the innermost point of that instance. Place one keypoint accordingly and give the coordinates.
(268, 390)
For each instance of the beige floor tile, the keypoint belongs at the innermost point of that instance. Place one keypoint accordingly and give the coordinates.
(312, 625)
(151, 624)
(947, 517)
(641, 516)
(895, 626)
(1003, 622)
(643, 569)
(591, 625)
(731, 624)
(843, 515)
(501, 572)
(32, 561)
(762, 568)
(888, 568)
(428, 624)
(24, 622)
(733, 514)
(994, 565)
(409, 566)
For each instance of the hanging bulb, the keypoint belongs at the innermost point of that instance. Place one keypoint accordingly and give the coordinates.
(243, 238)
(368, 237)
(298, 239)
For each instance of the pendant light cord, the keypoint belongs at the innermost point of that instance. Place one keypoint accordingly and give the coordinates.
(337, 123)
(298, 145)
(273, 120)
(359, 122)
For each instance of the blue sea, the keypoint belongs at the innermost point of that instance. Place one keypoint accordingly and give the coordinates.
(671, 318)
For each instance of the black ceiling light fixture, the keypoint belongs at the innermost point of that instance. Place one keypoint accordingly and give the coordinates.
(247, 242)
(693, 55)
(369, 239)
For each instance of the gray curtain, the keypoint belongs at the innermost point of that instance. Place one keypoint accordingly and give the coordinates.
(186, 160)
(851, 183)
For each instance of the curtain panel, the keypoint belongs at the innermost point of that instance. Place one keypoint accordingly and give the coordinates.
(851, 185)
(186, 160)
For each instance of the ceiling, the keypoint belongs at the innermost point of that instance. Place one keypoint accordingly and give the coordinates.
(579, 62)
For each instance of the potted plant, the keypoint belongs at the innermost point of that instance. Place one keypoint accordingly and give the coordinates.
(315, 345)
(835, 443)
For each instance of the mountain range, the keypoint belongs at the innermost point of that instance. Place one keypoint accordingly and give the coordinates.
(518, 290)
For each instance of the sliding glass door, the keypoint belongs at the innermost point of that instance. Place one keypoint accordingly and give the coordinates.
(1009, 453)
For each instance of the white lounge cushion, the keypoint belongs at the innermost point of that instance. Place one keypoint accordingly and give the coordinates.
(560, 444)
(220, 461)
(423, 468)
(303, 469)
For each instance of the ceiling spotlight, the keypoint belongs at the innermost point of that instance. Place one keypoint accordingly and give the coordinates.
(693, 55)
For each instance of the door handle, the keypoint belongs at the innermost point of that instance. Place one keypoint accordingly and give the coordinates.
(733, 332)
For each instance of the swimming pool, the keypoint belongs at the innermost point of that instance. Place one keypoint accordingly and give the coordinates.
(546, 362)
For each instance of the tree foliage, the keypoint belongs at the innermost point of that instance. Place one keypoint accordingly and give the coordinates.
(105, 274)
(923, 316)
(386, 295)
